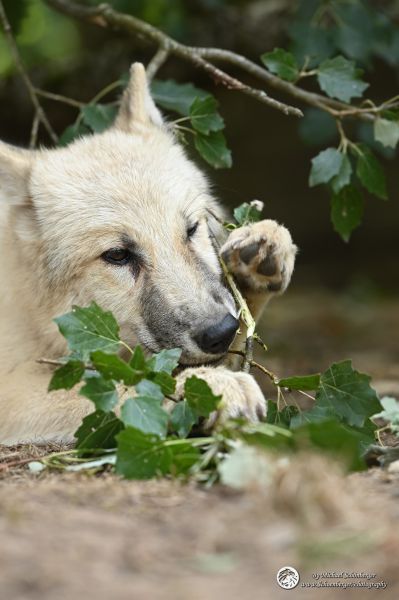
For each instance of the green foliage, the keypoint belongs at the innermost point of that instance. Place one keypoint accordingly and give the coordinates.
(101, 392)
(89, 329)
(346, 211)
(390, 414)
(370, 171)
(176, 97)
(147, 440)
(248, 212)
(306, 382)
(282, 63)
(98, 117)
(325, 166)
(386, 132)
(213, 149)
(339, 78)
(343, 394)
(204, 116)
(200, 109)
(67, 376)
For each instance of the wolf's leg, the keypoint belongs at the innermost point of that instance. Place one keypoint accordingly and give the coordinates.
(241, 395)
(28, 413)
(261, 257)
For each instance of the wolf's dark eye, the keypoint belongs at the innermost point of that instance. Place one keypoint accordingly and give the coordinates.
(117, 256)
(191, 230)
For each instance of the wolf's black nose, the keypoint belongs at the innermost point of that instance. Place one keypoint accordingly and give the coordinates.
(217, 338)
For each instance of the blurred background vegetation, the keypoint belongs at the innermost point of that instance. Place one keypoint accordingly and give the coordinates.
(271, 152)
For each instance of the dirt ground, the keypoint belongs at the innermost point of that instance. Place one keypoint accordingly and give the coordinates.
(67, 536)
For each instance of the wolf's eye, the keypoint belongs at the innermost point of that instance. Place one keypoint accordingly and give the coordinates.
(191, 230)
(117, 256)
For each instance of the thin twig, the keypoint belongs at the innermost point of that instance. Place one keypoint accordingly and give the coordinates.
(41, 115)
(272, 376)
(59, 98)
(34, 131)
(156, 62)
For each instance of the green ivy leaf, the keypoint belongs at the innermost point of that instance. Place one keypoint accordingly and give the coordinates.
(282, 63)
(344, 175)
(145, 414)
(174, 96)
(325, 166)
(213, 149)
(166, 360)
(138, 362)
(149, 389)
(112, 367)
(267, 435)
(337, 439)
(346, 211)
(89, 329)
(102, 392)
(390, 414)
(386, 132)
(67, 376)
(183, 418)
(200, 397)
(98, 430)
(282, 417)
(370, 172)
(141, 455)
(72, 132)
(347, 393)
(165, 381)
(144, 456)
(98, 116)
(305, 382)
(247, 213)
(339, 78)
(204, 115)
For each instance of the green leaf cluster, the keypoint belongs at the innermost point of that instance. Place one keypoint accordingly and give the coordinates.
(92, 118)
(200, 110)
(344, 174)
(147, 438)
(131, 430)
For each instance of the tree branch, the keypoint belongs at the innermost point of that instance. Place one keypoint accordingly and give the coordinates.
(105, 16)
(203, 58)
(40, 115)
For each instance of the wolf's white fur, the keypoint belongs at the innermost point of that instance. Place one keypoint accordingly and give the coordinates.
(60, 210)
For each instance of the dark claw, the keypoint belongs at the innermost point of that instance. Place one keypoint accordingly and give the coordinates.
(248, 252)
(268, 266)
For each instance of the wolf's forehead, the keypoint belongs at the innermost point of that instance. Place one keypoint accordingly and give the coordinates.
(118, 172)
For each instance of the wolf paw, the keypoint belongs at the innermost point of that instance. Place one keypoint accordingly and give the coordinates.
(241, 395)
(261, 256)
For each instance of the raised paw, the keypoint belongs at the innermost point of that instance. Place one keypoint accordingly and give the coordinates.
(261, 256)
(241, 395)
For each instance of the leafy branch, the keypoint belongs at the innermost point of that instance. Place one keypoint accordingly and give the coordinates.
(144, 440)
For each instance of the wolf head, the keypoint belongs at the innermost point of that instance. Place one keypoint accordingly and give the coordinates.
(123, 218)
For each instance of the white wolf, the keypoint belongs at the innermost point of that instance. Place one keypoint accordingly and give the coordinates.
(122, 218)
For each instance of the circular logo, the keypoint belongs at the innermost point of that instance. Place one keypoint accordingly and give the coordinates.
(288, 578)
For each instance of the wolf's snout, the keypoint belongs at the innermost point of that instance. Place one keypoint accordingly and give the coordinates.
(216, 339)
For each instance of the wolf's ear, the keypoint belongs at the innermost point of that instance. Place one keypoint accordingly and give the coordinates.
(15, 166)
(137, 106)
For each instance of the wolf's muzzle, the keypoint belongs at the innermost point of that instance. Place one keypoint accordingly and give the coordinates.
(216, 339)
